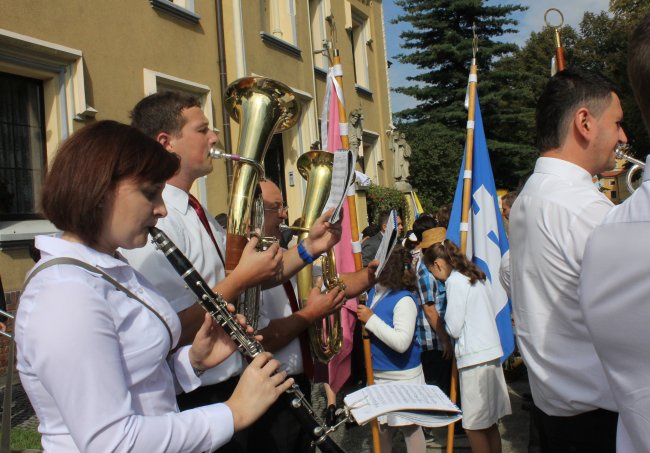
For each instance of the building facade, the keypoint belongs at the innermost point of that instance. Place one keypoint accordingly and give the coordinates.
(64, 64)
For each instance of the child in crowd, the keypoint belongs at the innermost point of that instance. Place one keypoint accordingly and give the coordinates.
(470, 320)
(390, 317)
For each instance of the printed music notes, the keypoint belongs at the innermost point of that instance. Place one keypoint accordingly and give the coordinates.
(424, 405)
(388, 242)
(342, 179)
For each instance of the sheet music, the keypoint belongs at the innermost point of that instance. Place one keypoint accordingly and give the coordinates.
(388, 242)
(342, 179)
(426, 405)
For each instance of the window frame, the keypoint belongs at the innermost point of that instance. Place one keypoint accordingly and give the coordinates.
(64, 98)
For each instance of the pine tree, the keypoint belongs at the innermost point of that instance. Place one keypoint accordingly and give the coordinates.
(439, 44)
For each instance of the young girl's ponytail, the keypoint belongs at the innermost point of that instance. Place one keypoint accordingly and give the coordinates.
(448, 251)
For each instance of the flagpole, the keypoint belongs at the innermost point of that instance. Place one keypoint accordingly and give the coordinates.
(464, 219)
(559, 50)
(356, 247)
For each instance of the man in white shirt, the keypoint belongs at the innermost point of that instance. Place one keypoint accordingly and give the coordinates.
(177, 122)
(284, 329)
(578, 128)
(614, 298)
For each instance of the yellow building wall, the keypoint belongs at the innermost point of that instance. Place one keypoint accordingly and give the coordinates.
(118, 39)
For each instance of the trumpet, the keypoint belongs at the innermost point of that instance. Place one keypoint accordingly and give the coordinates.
(621, 153)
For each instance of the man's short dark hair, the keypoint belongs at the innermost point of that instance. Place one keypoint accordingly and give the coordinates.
(638, 67)
(162, 112)
(564, 94)
(89, 165)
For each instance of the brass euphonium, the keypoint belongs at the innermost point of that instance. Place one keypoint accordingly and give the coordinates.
(326, 335)
(262, 107)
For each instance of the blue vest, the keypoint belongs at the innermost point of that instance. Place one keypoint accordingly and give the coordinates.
(383, 357)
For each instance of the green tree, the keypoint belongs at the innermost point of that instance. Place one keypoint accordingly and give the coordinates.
(603, 47)
(439, 43)
(510, 119)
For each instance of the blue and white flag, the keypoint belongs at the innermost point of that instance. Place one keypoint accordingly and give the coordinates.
(487, 243)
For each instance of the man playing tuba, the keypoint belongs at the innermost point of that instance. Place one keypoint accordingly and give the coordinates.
(178, 123)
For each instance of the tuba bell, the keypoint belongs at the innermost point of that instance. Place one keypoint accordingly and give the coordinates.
(621, 153)
(326, 335)
(262, 107)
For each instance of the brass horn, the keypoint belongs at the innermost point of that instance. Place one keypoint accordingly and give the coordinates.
(621, 153)
(262, 107)
(326, 335)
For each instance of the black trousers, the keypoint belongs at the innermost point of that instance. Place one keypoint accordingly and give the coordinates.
(589, 432)
(437, 371)
(278, 430)
(211, 394)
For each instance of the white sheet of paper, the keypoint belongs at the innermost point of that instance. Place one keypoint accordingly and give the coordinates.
(387, 243)
(426, 405)
(342, 178)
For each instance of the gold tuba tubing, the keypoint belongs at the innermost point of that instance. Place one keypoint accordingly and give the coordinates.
(262, 107)
(326, 335)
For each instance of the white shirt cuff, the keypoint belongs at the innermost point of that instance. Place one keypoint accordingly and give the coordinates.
(183, 371)
(221, 419)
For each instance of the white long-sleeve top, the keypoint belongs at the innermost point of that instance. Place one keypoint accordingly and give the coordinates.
(399, 337)
(471, 321)
(614, 302)
(93, 362)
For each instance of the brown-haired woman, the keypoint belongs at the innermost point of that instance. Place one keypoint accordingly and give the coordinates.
(470, 320)
(94, 338)
(390, 317)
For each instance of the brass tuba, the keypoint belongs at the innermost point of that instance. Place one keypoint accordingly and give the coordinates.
(262, 107)
(621, 153)
(326, 335)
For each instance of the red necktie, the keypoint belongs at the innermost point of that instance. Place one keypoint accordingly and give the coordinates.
(204, 220)
(307, 361)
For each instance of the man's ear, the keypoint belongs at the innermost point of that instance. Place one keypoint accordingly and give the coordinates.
(583, 122)
(165, 139)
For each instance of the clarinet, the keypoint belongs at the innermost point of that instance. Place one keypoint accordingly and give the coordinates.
(217, 307)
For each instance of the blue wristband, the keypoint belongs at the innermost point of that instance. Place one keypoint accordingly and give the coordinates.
(304, 254)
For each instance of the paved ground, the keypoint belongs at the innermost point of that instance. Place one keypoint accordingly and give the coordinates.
(514, 428)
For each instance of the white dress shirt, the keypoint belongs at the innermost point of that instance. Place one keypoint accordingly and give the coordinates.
(549, 224)
(614, 288)
(185, 229)
(93, 361)
(275, 305)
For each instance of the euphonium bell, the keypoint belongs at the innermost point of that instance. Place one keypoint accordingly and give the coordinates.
(326, 335)
(262, 107)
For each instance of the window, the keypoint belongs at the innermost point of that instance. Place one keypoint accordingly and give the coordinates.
(319, 11)
(281, 25)
(359, 35)
(181, 9)
(43, 93)
(22, 146)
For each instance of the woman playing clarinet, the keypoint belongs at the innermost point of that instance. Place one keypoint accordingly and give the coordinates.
(96, 343)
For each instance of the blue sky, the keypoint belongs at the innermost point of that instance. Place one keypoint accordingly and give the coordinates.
(530, 20)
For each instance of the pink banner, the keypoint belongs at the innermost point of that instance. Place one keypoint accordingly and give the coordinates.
(340, 365)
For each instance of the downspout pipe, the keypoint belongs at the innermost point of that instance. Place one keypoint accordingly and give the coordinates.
(223, 85)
